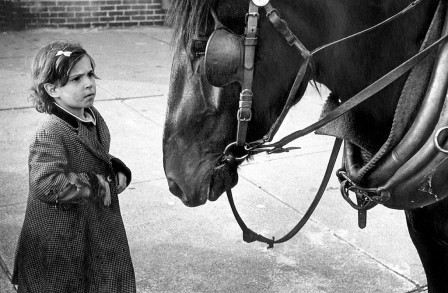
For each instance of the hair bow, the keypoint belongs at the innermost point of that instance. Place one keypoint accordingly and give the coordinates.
(65, 53)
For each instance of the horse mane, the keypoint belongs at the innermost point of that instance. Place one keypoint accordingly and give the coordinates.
(185, 17)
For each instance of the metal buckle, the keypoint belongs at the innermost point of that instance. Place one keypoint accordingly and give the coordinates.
(252, 14)
(244, 115)
(244, 112)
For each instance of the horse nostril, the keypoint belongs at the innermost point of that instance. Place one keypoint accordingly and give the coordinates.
(174, 188)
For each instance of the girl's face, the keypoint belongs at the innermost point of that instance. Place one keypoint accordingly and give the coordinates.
(79, 92)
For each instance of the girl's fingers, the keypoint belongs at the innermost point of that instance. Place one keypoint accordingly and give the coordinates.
(107, 198)
(120, 188)
(102, 191)
(104, 187)
(121, 182)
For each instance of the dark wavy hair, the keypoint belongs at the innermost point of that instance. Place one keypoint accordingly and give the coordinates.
(49, 68)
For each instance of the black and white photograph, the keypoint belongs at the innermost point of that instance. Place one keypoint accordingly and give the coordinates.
(232, 146)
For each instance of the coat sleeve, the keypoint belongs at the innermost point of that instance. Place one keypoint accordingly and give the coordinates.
(119, 166)
(50, 179)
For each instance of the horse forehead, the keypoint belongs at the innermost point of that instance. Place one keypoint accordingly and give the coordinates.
(232, 10)
(231, 6)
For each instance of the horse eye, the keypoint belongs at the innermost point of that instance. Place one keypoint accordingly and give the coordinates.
(198, 46)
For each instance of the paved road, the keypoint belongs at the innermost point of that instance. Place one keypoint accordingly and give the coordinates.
(180, 249)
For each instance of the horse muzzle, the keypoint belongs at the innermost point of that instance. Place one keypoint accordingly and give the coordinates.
(203, 181)
(186, 198)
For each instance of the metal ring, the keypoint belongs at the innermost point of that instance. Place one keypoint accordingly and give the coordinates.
(226, 152)
(436, 141)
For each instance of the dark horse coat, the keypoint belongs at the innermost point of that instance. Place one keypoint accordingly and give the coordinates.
(72, 247)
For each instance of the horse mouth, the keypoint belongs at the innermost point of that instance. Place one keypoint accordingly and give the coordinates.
(224, 177)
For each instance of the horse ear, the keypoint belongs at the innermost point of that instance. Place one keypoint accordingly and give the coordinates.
(218, 24)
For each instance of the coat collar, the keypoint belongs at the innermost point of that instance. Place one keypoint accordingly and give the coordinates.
(84, 135)
(71, 119)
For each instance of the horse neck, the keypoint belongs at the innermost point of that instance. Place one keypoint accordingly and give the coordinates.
(349, 67)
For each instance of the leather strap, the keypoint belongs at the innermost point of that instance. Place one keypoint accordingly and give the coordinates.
(282, 27)
(362, 96)
(250, 236)
(257, 146)
(393, 17)
(432, 84)
(245, 106)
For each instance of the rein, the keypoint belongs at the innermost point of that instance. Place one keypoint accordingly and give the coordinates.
(264, 145)
(250, 236)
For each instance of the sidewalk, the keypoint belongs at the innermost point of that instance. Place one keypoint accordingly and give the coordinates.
(180, 249)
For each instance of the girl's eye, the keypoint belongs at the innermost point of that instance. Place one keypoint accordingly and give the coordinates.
(76, 78)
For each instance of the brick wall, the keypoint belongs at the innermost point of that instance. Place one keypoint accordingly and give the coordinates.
(22, 14)
(2, 13)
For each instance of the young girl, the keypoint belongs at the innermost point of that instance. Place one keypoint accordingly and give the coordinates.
(73, 238)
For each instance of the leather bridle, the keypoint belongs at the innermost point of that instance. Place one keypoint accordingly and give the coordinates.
(245, 113)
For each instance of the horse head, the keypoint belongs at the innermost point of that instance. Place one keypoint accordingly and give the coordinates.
(201, 118)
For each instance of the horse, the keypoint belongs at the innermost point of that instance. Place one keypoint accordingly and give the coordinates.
(201, 156)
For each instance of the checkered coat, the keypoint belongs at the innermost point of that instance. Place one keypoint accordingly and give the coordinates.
(72, 247)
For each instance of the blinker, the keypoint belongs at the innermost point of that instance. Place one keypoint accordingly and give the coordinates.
(224, 57)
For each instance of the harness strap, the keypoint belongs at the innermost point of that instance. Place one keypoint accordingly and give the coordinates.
(393, 17)
(282, 27)
(250, 236)
(244, 114)
(260, 145)
(425, 92)
(362, 96)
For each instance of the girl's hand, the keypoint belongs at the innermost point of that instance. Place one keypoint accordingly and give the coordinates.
(121, 182)
(104, 190)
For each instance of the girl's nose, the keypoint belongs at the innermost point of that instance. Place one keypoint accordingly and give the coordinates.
(90, 82)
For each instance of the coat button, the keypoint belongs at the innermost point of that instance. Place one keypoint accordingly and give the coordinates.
(109, 178)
